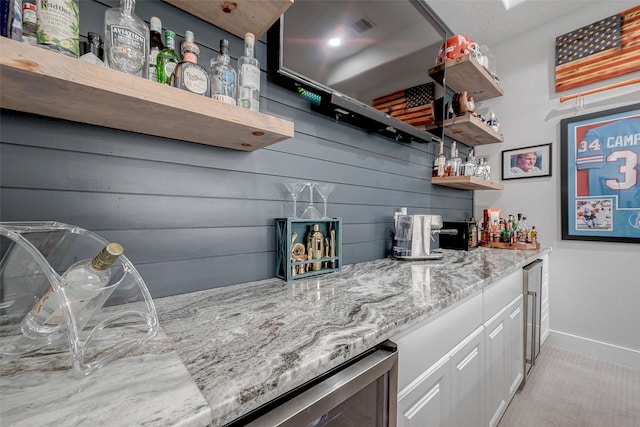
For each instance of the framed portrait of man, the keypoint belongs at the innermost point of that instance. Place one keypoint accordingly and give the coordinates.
(527, 162)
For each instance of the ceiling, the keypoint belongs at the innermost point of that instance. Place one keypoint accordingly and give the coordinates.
(488, 22)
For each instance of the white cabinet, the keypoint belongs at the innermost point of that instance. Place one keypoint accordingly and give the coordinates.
(497, 345)
(425, 402)
(504, 343)
(467, 372)
(516, 325)
(462, 367)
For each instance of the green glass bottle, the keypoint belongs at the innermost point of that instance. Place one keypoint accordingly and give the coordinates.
(167, 58)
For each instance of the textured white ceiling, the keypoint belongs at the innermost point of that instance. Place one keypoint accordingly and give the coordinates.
(488, 22)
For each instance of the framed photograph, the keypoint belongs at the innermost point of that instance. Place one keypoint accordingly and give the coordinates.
(527, 162)
(600, 182)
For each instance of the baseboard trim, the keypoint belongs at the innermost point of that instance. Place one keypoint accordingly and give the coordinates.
(601, 350)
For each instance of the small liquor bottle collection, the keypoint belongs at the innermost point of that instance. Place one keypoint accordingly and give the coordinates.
(133, 47)
(454, 167)
(496, 229)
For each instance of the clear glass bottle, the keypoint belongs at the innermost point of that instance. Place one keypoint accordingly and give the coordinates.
(29, 23)
(167, 58)
(520, 233)
(156, 45)
(16, 21)
(188, 75)
(469, 167)
(440, 162)
(223, 76)
(526, 232)
(126, 40)
(481, 168)
(58, 25)
(456, 162)
(82, 282)
(249, 76)
(95, 53)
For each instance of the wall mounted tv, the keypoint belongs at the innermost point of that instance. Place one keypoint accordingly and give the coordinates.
(345, 55)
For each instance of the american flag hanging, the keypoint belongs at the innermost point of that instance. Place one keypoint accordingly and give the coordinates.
(604, 49)
(412, 105)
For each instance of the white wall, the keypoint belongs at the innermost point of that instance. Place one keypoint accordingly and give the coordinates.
(595, 287)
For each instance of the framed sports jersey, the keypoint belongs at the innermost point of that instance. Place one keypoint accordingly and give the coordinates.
(600, 176)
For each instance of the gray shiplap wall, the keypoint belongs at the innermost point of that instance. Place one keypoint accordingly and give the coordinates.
(193, 217)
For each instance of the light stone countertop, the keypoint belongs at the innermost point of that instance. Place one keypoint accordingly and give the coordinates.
(147, 387)
(245, 345)
(223, 352)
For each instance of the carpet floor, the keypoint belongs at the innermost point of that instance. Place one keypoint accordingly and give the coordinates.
(568, 389)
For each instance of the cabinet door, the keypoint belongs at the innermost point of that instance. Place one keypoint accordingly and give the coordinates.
(467, 371)
(497, 337)
(425, 402)
(516, 342)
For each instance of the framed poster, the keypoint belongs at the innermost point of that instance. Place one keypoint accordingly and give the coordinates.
(600, 182)
(527, 162)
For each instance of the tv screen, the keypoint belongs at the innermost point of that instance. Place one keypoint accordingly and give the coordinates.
(366, 58)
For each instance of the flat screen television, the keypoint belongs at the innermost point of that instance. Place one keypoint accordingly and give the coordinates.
(344, 55)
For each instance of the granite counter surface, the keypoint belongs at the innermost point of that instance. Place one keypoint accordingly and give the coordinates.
(147, 387)
(224, 352)
(244, 345)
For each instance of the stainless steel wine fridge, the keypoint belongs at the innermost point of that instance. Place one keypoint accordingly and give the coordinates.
(361, 392)
(532, 289)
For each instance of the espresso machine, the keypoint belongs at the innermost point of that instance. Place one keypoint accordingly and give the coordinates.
(416, 237)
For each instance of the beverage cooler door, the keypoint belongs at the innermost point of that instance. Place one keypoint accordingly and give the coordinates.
(360, 393)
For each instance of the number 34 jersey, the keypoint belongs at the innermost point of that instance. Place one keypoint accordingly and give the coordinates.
(611, 153)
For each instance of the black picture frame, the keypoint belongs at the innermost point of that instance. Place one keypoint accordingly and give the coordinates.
(539, 154)
(600, 176)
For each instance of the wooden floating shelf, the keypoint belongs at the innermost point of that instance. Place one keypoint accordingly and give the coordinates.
(465, 73)
(467, 183)
(38, 81)
(236, 16)
(469, 130)
(500, 245)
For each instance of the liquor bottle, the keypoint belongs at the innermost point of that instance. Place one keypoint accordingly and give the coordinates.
(188, 75)
(520, 234)
(16, 22)
(533, 235)
(126, 40)
(441, 160)
(82, 282)
(249, 76)
(155, 26)
(167, 58)
(456, 162)
(469, 167)
(95, 53)
(58, 24)
(526, 237)
(29, 23)
(481, 169)
(223, 76)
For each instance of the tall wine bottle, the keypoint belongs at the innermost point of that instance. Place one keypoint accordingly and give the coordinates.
(249, 76)
(156, 45)
(167, 58)
(82, 282)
